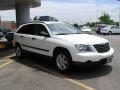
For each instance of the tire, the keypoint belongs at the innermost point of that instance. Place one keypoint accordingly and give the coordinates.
(19, 53)
(63, 61)
(109, 33)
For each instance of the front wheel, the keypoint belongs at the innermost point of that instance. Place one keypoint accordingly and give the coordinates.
(63, 61)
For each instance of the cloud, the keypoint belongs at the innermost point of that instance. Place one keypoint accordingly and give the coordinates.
(8, 15)
(84, 11)
(75, 12)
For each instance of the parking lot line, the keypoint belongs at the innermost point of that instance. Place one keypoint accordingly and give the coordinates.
(6, 63)
(80, 84)
(7, 57)
(76, 82)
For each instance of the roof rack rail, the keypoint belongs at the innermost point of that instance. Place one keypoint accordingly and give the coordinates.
(36, 21)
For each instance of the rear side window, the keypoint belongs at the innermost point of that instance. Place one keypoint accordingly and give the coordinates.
(27, 29)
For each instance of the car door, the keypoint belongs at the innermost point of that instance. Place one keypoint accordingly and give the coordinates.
(117, 29)
(26, 37)
(40, 41)
(113, 29)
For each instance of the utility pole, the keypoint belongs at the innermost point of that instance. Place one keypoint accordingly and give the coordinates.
(97, 16)
(119, 13)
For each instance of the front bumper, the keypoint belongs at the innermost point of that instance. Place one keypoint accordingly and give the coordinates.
(92, 56)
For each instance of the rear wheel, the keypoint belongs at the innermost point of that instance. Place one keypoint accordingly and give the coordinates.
(19, 53)
(109, 33)
(63, 61)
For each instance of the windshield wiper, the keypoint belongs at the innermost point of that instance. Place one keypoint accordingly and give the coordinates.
(69, 33)
(63, 33)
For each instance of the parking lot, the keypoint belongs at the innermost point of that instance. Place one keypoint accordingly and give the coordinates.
(39, 73)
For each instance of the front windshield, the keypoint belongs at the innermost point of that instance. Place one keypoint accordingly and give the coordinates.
(63, 29)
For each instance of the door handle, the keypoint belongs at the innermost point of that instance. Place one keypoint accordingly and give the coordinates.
(34, 38)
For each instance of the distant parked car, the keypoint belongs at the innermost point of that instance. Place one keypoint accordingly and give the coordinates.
(4, 30)
(99, 27)
(110, 29)
(86, 29)
(1, 35)
(9, 36)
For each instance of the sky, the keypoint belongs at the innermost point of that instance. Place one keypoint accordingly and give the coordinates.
(73, 11)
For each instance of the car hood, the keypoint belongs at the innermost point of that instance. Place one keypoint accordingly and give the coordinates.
(82, 39)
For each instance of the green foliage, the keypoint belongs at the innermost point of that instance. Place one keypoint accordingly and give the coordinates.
(116, 23)
(75, 25)
(105, 19)
(93, 24)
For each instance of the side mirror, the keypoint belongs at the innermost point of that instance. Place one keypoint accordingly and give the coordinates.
(45, 34)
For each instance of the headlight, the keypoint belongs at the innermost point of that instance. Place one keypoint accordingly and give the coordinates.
(83, 48)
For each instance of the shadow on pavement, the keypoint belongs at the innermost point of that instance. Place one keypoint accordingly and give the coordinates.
(78, 72)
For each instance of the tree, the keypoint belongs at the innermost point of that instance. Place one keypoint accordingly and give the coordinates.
(106, 19)
(93, 24)
(87, 24)
(76, 25)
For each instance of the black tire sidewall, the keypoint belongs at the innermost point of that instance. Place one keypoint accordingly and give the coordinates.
(109, 33)
(21, 55)
(68, 56)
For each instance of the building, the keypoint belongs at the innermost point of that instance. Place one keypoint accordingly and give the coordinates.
(22, 8)
(8, 24)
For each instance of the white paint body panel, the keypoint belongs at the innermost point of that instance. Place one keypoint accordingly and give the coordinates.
(65, 41)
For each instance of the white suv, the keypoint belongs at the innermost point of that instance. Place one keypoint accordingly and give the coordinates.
(63, 42)
(110, 29)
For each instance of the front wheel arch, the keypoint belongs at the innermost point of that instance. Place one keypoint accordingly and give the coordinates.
(59, 51)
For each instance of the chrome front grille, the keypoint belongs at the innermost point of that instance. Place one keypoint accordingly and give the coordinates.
(101, 48)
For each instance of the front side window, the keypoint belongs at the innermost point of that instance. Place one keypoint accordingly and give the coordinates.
(112, 27)
(41, 30)
(63, 29)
